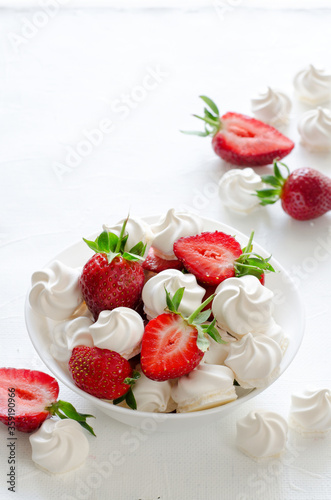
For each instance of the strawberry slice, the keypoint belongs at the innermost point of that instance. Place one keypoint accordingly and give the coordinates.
(169, 347)
(214, 257)
(156, 264)
(242, 140)
(28, 397)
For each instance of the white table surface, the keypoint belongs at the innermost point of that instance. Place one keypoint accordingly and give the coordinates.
(62, 79)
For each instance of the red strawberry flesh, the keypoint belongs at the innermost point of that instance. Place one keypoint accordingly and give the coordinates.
(34, 391)
(156, 264)
(169, 348)
(100, 372)
(246, 141)
(209, 256)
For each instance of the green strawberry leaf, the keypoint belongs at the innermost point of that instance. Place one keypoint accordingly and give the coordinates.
(92, 245)
(132, 257)
(138, 249)
(210, 103)
(130, 399)
(103, 242)
(213, 332)
(251, 263)
(66, 410)
(202, 317)
(202, 341)
(177, 298)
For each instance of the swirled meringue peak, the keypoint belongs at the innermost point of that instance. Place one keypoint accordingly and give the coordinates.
(137, 229)
(272, 107)
(217, 353)
(170, 228)
(119, 330)
(262, 434)
(237, 190)
(205, 387)
(154, 296)
(59, 446)
(254, 360)
(310, 411)
(315, 129)
(313, 85)
(69, 334)
(55, 291)
(152, 395)
(243, 305)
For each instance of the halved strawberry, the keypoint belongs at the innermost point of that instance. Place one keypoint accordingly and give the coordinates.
(214, 257)
(28, 397)
(156, 264)
(242, 140)
(102, 373)
(172, 345)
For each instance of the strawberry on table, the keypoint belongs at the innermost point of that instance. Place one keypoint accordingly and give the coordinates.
(215, 256)
(242, 140)
(172, 345)
(33, 397)
(103, 373)
(112, 277)
(305, 193)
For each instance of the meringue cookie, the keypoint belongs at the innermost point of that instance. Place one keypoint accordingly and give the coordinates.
(59, 446)
(217, 353)
(137, 229)
(69, 334)
(313, 85)
(55, 291)
(154, 296)
(205, 387)
(315, 129)
(272, 107)
(170, 228)
(237, 190)
(276, 333)
(120, 330)
(243, 305)
(254, 360)
(310, 411)
(261, 434)
(153, 396)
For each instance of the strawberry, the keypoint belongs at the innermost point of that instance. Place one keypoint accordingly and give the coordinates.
(305, 193)
(28, 397)
(112, 277)
(156, 264)
(172, 345)
(242, 140)
(214, 257)
(102, 373)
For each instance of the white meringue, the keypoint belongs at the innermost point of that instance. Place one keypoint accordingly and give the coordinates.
(310, 411)
(205, 387)
(254, 360)
(217, 353)
(152, 396)
(137, 229)
(262, 434)
(59, 446)
(170, 228)
(237, 190)
(120, 330)
(243, 305)
(154, 296)
(272, 107)
(315, 129)
(69, 334)
(55, 291)
(313, 85)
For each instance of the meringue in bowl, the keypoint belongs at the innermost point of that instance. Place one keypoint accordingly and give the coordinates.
(289, 316)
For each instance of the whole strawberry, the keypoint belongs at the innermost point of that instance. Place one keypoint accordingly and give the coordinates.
(305, 193)
(28, 397)
(172, 345)
(242, 140)
(112, 277)
(102, 373)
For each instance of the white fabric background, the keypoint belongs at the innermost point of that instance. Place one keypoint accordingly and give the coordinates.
(59, 82)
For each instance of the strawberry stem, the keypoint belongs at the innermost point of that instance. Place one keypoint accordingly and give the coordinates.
(251, 263)
(211, 119)
(66, 410)
(269, 196)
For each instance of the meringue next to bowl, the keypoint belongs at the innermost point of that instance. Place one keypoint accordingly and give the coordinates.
(169, 319)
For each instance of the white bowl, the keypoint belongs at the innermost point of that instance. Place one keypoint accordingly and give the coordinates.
(288, 313)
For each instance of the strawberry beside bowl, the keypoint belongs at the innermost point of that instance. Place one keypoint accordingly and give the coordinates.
(289, 315)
